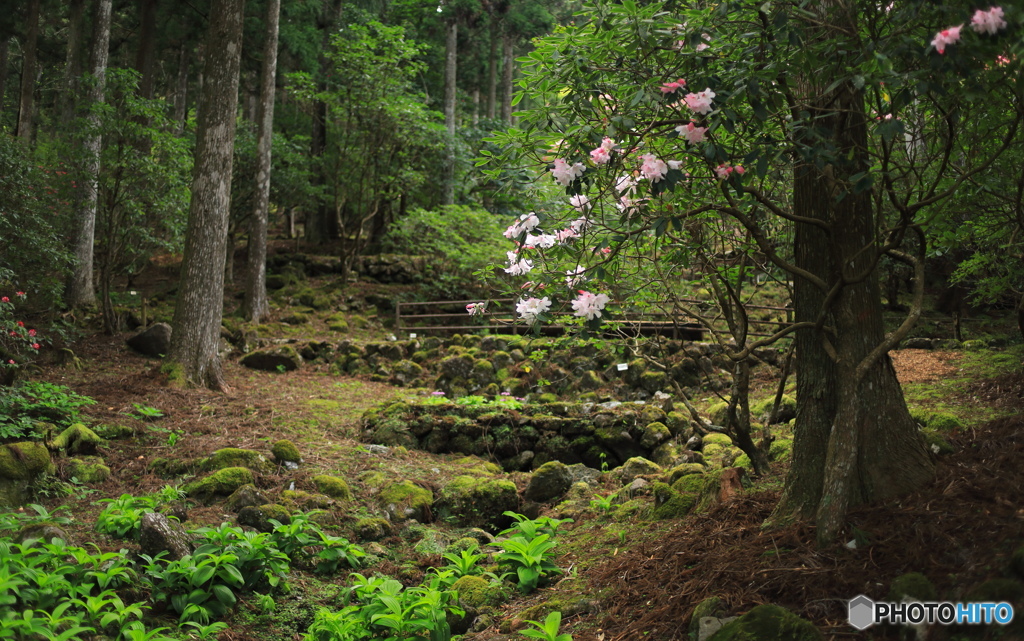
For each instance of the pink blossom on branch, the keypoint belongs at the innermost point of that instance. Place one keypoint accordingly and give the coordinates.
(580, 202)
(476, 308)
(700, 102)
(652, 168)
(565, 173)
(724, 170)
(530, 308)
(589, 305)
(946, 37)
(672, 87)
(692, 133)
(988, 22)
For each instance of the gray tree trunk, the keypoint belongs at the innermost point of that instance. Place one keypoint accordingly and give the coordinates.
(145, 60)
(26, 103)
(200, 305)
(506, 77)
(181, 90)
(450, 66)
(322, 221)
(255, 305)
(73, 62)
(81, 291)
(492, 70)
(5, 49)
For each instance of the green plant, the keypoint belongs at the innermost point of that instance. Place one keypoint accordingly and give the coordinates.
(208, 631)
(529, 559)
(547, 631)
(265, 602)
(121, 516)
(172, 439)
(256, 558)
(145, 412)
(465, 563)
(199, 587)
(531, 528)
(23, 404)
(604, 503)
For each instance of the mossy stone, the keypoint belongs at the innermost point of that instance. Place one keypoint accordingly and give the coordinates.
(787, 408)
(768, 623)
(717, 413)
(432, 543)
(167, 467)
(590, 380)
(465, 544)
(781, 449)
(677, 422)
(709, 607)
(717, 439)
(77, 439)
(339, 327)
(670, 504)
(333, 486)
(483, 372)
(237, 457)
(655, 434)
(20, 464)
(666, 454)
(653, 380)
(113, 432)
(547, 397)
(689, 484)
(471, 501)
(912, 585)
(936, 443)
(88, 469)
(636, 466)
(220, 483)
(372, 528)
(305, 501)
(284, 451)
(406, 500)
(686, 469)
(549, 481)
(259, 517)
(476, 592)
(243, 497)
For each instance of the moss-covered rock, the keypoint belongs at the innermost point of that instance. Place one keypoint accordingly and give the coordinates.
(20, 465)
(220, 483)
(259, 517)
(912, 585)
(465, 544)
(653, 380)
(432, 543)
(709, 607)
(549, 481)
(670, 504)
(667, 454)
(237, 457)
(333, 486)
(717, 439)
(471, 501)
(339, 327)
(280, 358)
(113, 432)
(476, 592)
(768, 623)
(406, 500)
(654, 435)
(677, 422)
(243, 497)
(77, 439)
(936, 443)
(781, 449)
(88, 469)
(483, 372)
(284, 451)
(689, 484)
(686, 469)
(636, 466)
(167, 467)
(299, 500)
(762, 409)
(717, 413)
(936, 420)
(372, 528)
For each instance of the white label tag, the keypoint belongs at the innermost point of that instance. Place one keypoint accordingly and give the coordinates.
(622, 367)
(412, 335)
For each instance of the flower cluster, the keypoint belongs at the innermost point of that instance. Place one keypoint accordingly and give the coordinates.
(517, 266)
(603, 154)
(692, 133)
(15, 336)
(525, 224)
(983, 22)
(530, 308)
(565, 173)
(589, 305)
(476, 308)
(700, 102)
(672, 87)
(724, 170)
(652, 168)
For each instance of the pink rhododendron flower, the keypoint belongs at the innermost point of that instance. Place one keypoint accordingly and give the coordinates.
(517, 266)
(988, 22)
(11, 361)
(5, 299)
(600, 156)
(692, 133)
(724, 170)
(476, 308)
(565, 173)
(544, 241)
(579, 224)
(700, 102)
(525, 224)
(589, 305)
(21, 323)
(566, 234)
(35, 345)
(652, 168)
(530, 308)
(574, 276)
(946, 37)
(31, 332)
(672, 87)
(22, 294)
(675, 164)
(580, 202)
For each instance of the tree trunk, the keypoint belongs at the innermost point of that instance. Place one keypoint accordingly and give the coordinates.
(322, 222)
(26, 103)
(492, 70)
(144, 55)
(506, 77)
(81, 291)
(181, 90)
(254, 305)
(200, 305)
(450, 54)
(5, 49)
(854, 441)
(73, 62)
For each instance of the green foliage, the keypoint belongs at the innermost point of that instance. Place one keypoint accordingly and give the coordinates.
(25, 403)
(122, 516)
(199, 587)
(145, 412)
(301, 532)
(548, 630)
(460, 241)
(527, 551)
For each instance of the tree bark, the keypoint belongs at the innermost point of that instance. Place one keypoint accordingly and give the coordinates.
(81, 291)
(73, 62)
(450, 58)
(492, 70)
(506, 77)
(200, 305)
(144, 55)
(5, 49)
(181, 90)
(322, 222)
(26, 103)
(854, 441)
(255, 305)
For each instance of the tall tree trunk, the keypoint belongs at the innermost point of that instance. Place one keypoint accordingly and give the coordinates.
(854, 439)
(145, 61)
(506, 77)
(28, 73)
(73, 62)
(492, 70)
(200, 305)
(450, 57)
(254, 305)
(181, 90)
(81, 291)
(322, 222)
(5, 49)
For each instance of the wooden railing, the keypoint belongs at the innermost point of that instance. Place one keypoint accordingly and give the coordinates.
(451, 316)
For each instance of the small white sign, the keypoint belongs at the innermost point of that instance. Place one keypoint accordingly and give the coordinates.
(622, 367)
(412, 335)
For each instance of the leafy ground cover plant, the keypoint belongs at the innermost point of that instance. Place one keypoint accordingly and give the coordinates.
(527, 551)
(23, 404)
(548, 630)
(302, 533)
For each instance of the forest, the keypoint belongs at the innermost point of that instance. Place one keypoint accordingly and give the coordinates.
(344, 320)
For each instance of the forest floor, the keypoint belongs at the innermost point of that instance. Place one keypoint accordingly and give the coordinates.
(626, 577)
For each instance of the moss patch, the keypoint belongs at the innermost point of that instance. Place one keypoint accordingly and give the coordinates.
(406, 500)
(220, 483)
(472, 501)
(333, 486)
(285, 451)
(768, 623)
(237, 457)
